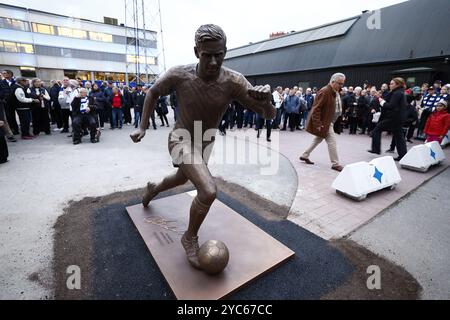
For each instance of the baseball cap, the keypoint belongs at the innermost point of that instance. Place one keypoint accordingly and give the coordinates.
(416, 90)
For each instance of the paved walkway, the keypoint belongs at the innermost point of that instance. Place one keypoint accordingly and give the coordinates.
(317, 207)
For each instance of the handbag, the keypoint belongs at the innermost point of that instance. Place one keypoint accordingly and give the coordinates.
(376, 117)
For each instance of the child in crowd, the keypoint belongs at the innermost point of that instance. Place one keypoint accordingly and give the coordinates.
(438, 123)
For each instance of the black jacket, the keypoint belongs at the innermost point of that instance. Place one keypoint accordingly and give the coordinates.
(99, 99)
(34, 95)
(138, 101)
(6, 91)
(348, 104)
(54, 94)
(411, 115)
(395, 107)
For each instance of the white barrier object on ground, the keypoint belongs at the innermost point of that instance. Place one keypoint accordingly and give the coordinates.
(422, 157)
(446, 140)
(361, 178)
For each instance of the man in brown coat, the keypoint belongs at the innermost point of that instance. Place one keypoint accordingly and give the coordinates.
(325, 111)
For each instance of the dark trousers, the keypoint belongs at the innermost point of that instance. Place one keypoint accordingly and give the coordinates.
(3, 150)
(25, 119)
(126, 114)
(224, 124)
(163, 117)
(65, 118)
(410, 132)
(41, 121)
(260, 125)
(289, 117)
(11, 118)
(83, 121)
(152, 117)
(392, 147)
(353, 124)
(364, 123)
(137, 118)
(277, 120)
(423, 120)
(297, 118)
(56, 115)
(249, 118)
(101, 116)
(397, 132)
(108, 112)
(239, 117)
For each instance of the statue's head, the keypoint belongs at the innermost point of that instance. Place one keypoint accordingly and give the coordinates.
(210, 48)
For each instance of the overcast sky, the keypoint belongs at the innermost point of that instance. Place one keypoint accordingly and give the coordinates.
(243, 21)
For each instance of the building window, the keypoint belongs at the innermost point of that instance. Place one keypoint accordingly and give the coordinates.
(14, 24)
(25, 48)
(147, 43)
(98, 36)
(66, 53)
(43, 28)
(28, 72)
(80, 34)
(141, 59)
(65, 32)
(10, 46)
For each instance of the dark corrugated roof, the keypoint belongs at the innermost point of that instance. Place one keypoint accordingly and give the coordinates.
(411, 30)
(310, 35)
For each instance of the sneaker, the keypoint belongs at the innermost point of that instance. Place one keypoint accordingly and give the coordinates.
(76, 141)
(57, 129)
(389, 151)
(150, 193)
(191, 247)
(12, 139)
(93, 140)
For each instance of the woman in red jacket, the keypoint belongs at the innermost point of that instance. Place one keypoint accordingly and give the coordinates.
(438, 123)
(117, 102)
